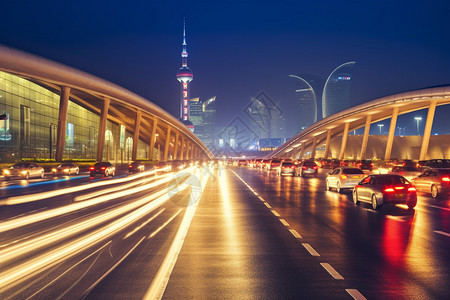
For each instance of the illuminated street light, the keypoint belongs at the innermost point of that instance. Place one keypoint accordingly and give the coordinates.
(418, 119)
(380, 125)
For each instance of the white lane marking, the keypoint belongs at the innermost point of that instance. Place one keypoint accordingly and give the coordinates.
(438, 207)
(160, 281)
(332, 271)
(284, 222)
(268, 205)
(355, 294)
(261, 198)
(443, 233)
(295, 233)
(310, 249)
(164, 225)
(275, 213)
(143, 224)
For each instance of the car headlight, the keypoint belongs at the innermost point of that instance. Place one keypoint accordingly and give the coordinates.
(6, 172)
(54, 170)
(66, 170)
(23, 172)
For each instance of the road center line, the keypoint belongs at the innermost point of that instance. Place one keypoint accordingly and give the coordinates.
(268, 205)
(284, 222)
(275, 213)
(332, 271)
(310, 249)
(355, 294)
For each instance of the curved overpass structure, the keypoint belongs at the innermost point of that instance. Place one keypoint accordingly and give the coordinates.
(144, 120)
(363, 115)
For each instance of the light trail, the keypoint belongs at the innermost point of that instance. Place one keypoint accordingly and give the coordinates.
(9, 278)
(44, 215)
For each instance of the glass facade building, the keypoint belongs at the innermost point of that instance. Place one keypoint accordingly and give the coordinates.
(29, 127)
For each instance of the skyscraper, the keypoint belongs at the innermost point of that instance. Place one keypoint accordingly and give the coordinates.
(307, 103)
(336, 92)
(185, 76)
(203, 116)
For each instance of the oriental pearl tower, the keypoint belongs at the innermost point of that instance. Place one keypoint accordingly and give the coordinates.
(185, 76)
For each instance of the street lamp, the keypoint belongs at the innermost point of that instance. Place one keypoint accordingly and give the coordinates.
(380, 125)
(418, 119)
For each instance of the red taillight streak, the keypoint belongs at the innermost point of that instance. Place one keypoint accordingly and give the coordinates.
(91, 168)
(445, 179)
(389, 190)
(103, 168)
(315, 167)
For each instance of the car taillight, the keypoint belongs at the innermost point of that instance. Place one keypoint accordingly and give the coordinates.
(315, 167)
(401, 173)
(445, 179)
(389, 190)
(371, 165)
(399, 188)
(412, 189)
(344, 176)
(304, 168)
(91, 168)
(103, 168)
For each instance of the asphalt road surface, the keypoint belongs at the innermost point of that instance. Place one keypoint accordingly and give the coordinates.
(203, 233)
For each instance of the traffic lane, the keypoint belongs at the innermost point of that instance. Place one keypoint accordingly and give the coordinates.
(237, 249)
(79, 256)
(364, 244)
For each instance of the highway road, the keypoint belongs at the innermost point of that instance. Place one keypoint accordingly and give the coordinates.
(205, 233)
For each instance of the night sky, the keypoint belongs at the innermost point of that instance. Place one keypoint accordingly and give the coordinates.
(239, 48)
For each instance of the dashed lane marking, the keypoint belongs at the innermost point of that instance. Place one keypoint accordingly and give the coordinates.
(295, 233)
(275, 213)
(310, 249)
(443, 233)
(332, 271)
(284, 222)
(268, 205)
(355, 294)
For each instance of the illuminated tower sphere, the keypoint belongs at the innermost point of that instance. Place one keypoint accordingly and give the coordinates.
(185, 76)
(336, 92)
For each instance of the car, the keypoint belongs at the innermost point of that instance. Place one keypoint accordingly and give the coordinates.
(436, 163)
(385, 189)
(165, 166)
(364, 164)
(286, 167)
(264, 163)
(344, 178)
(307, 167)
(66, 169)
(136, 167)
(327, 163)
(433, 181)
(273, 164)
(104, 168)
(406, 171)
(23, 170)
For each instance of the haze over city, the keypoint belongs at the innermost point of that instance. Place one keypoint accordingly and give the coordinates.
(239, 48)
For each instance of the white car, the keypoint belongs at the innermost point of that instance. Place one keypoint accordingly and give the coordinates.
(344, 178)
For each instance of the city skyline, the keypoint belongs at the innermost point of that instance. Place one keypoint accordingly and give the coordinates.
(239, 49)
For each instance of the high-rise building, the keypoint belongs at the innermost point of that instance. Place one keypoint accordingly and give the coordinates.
(185, 76)
(336, 92)
(306, 105)
(202, 114)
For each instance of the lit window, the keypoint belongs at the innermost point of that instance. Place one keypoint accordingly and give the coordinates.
(185, 110)
(185, 85)
(185, 118)
(185, 94)
(185, 102)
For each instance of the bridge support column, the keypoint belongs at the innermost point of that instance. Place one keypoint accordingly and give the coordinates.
(137, 127)
(192, 151)
(167, 144)
(327, 145)
(390, 140)
(344, 141)
(314, 146)
(62, 120)
(182, 148)
(365, 137)
(302, 151)
(153, 139)
(102, 128)
(427, 131)
(175, 148)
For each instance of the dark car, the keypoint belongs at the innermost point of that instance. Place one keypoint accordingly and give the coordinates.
(434, 181)
(136, 167)
(364, 164)
(104, 168)
(436, 163)
(23, 170)
(308, 167)
(385, 189)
